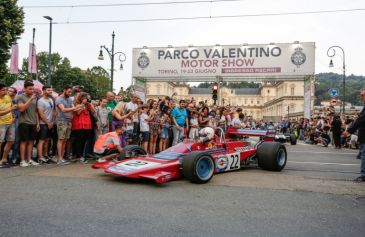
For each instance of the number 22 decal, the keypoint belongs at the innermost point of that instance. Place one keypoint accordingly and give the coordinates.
(235, 164)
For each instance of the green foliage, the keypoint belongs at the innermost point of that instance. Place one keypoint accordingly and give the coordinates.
(325, 81)
(96, 81)
(99, 79)
(11, 27)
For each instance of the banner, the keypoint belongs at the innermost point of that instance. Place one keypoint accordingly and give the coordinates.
(14, 60)
(307, 98)
(139, 88)
(32, 59)
(257, 60)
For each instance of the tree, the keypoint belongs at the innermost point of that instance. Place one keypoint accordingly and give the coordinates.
(11, 27)
(325, 81)
(99, 78)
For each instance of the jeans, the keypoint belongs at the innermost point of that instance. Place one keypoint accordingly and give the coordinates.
(301, 134)
(15, 156)
(135, 138)
(362, 157)
(178, 135)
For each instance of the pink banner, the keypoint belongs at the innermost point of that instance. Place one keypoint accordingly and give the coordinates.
(252, 70)
(32, 59)
(14, 69)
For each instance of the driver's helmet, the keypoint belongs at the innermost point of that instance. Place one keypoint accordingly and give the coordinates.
(206, 134)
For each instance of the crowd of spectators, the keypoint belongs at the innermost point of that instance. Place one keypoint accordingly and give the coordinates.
(65, 129)
(325, 130)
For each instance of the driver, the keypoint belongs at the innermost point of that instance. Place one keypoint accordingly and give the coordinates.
(109, 144)
(206, 134)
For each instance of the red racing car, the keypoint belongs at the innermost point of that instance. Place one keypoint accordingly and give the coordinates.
(199, 161)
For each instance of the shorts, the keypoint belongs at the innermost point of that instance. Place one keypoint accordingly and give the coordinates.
(44, 132)
(108, 152)
(27, 132)
(145, 136)
(164, 134)
(7, 132)
(63, 130)
(128, 134)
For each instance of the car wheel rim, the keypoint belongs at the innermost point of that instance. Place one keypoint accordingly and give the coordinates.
(280, 157)
(204, 168)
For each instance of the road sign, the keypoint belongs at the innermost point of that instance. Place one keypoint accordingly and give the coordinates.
(334, 92)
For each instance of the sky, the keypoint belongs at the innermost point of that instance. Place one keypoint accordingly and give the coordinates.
(81, 42)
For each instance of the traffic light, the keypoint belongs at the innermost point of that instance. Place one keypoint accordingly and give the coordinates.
(215, 92)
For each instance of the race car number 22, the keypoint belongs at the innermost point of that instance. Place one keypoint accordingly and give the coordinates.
(234, 161)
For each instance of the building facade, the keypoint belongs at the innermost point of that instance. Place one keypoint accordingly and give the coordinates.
(271, 101)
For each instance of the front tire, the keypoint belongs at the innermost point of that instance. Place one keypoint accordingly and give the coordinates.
(131, 151)
(272, 156)
(198, 167)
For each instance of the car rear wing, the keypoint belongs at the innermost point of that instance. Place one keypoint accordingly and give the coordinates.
(265, 135)
(247, 132)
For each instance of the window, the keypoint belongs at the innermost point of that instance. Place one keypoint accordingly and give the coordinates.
(258, 102)
(292, 91)
(251, 101)
(245, 101)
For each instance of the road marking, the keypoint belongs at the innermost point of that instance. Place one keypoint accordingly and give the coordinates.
(321, 163)
(323, 152)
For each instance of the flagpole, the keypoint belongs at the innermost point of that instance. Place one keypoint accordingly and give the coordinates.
(31, 60)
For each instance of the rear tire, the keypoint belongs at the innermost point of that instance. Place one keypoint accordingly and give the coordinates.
(293, 139)
(272, 156)
(198, 167)
(131, 151)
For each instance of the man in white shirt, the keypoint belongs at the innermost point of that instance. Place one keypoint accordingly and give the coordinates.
(133, 106)
(238, 121)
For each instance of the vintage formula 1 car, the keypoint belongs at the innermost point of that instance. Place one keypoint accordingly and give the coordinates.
(286, 137)
(199, 161)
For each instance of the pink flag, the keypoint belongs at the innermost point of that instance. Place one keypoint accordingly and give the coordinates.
(14, 59)
(32, 59)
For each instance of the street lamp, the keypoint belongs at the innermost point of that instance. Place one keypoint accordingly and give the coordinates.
(50, 48)
(332, 54)
(122, 58)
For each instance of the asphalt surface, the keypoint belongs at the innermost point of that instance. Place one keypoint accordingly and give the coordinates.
(78, 201)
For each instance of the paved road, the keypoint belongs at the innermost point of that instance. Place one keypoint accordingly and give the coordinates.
(78, 201)
(327, 162)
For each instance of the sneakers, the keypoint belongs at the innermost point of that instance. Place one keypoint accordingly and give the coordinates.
(360, 179)
(53, 159)
(43, 160)
(32, 162)
(83, 160)
(63, 162)
(71, 159)
(100, 160)
(24, 164)
(4, 165)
